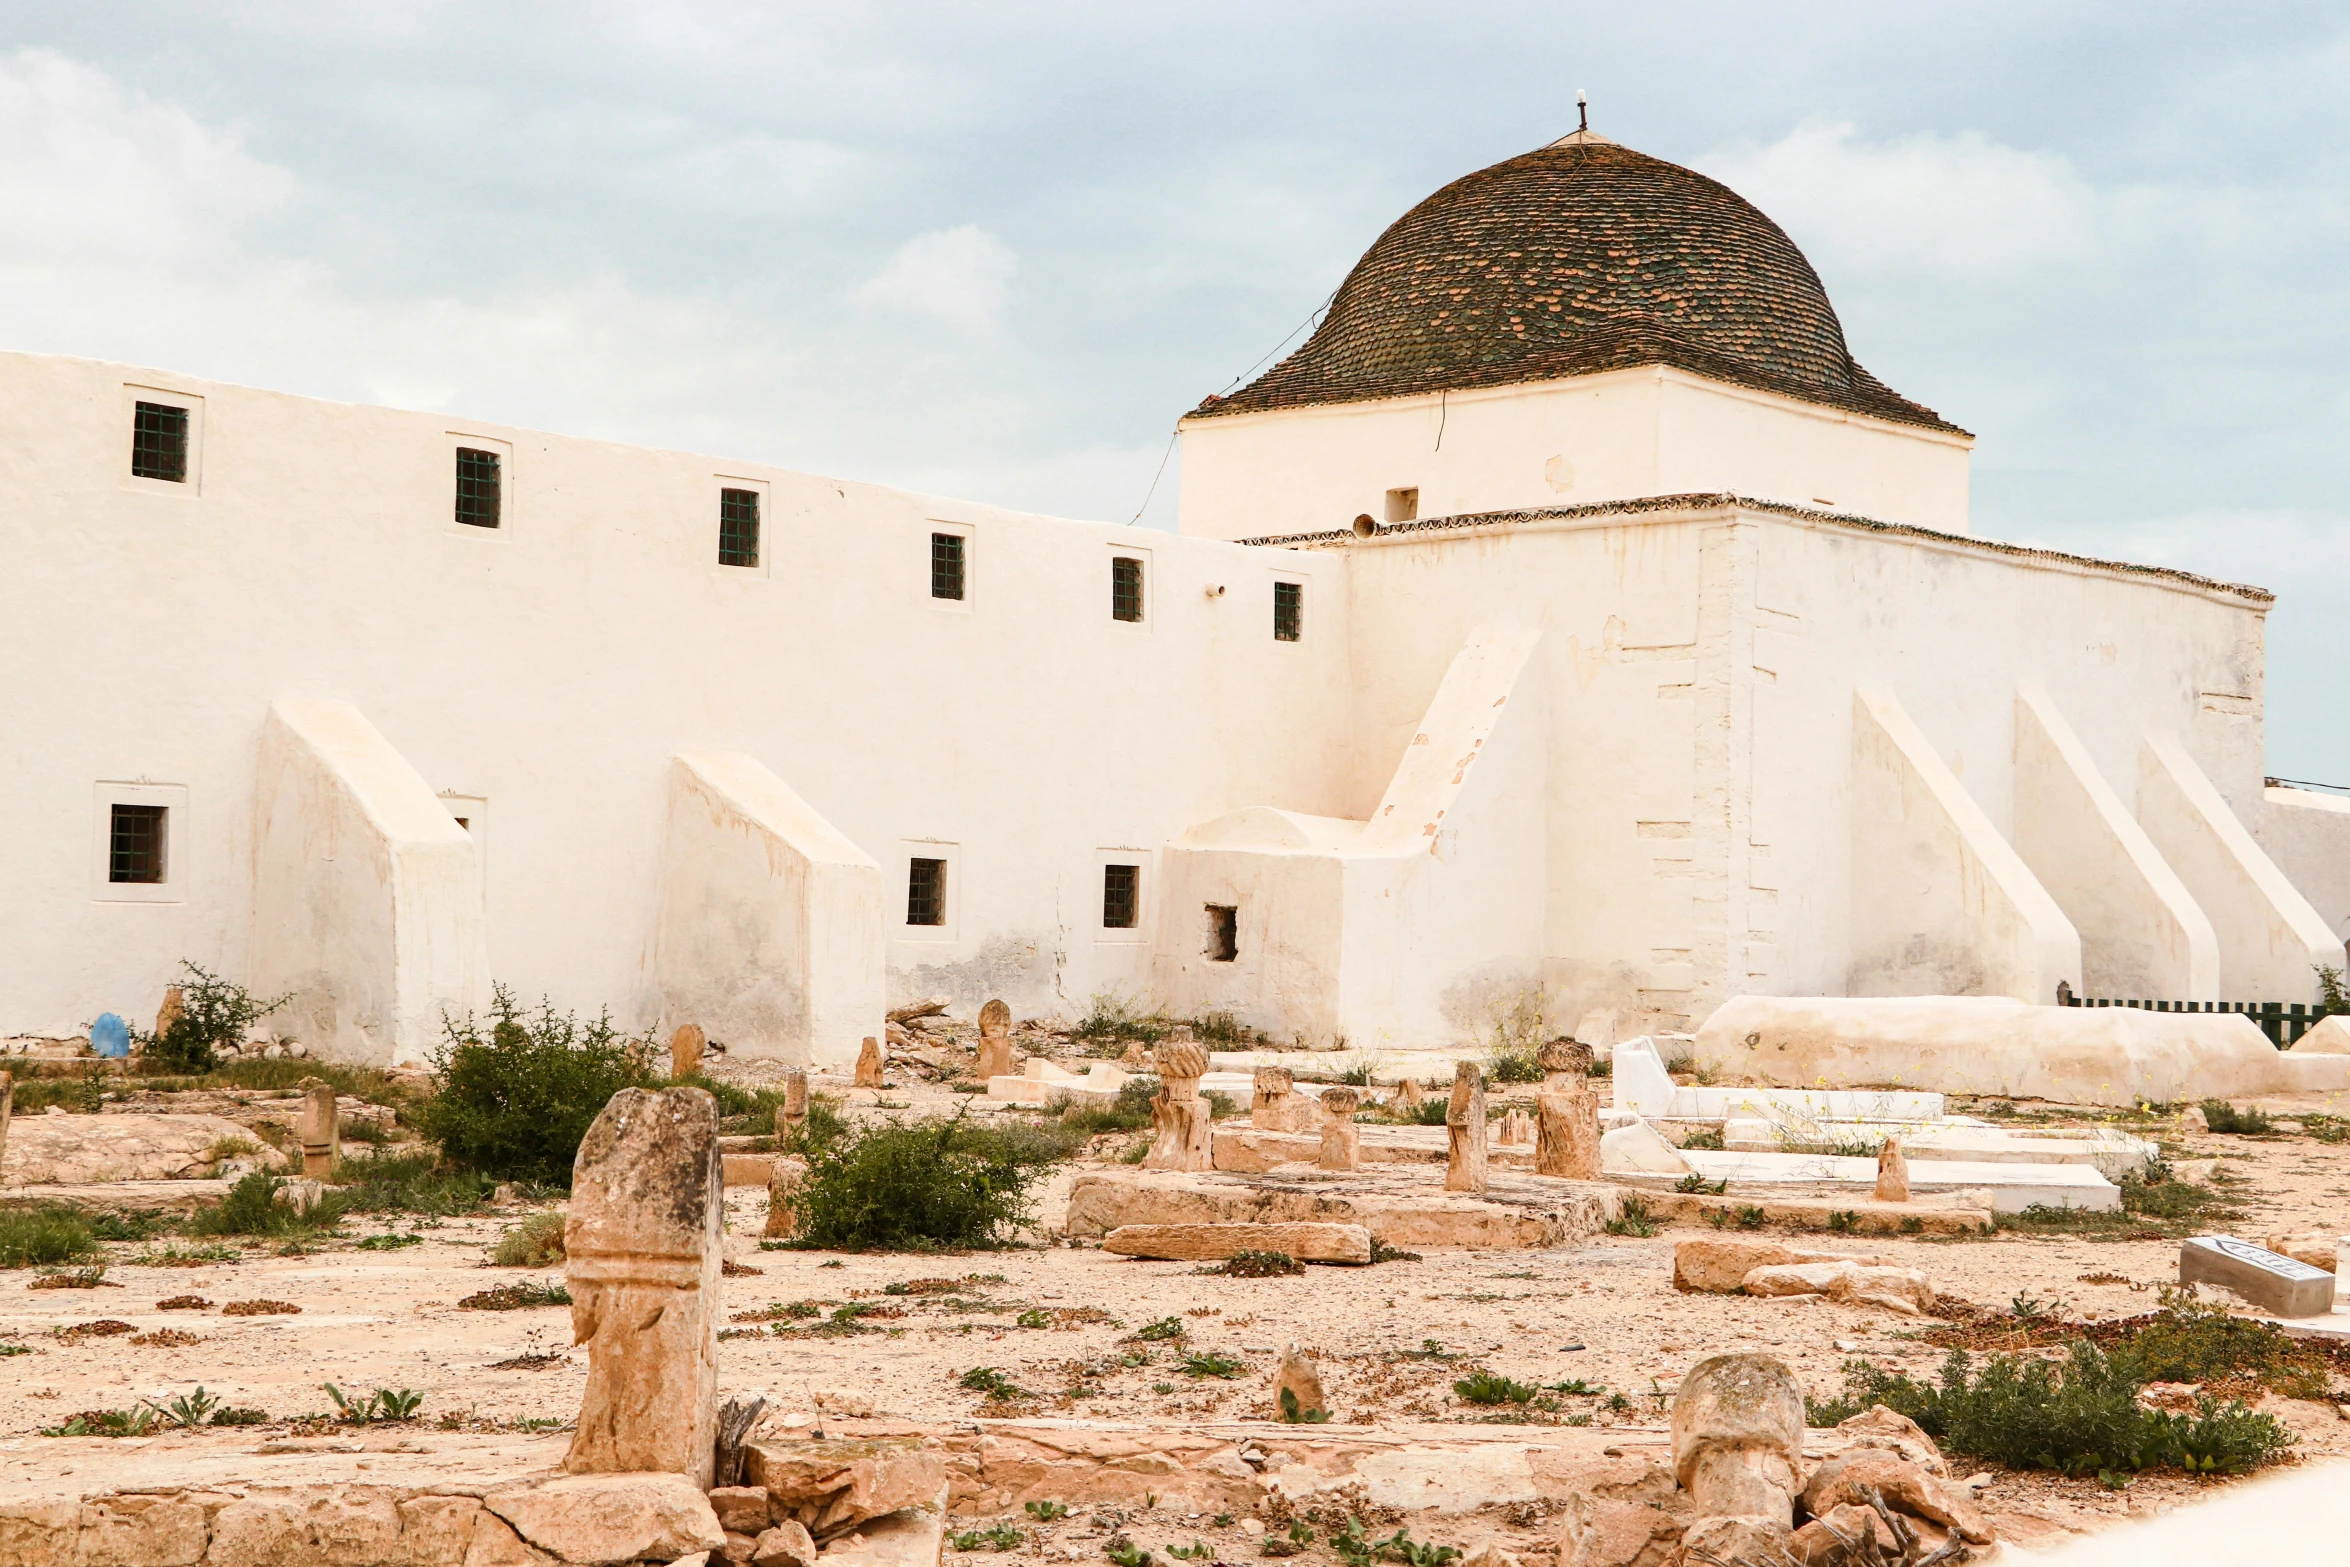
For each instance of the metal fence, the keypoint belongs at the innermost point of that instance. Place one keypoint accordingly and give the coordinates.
(2283, 1022)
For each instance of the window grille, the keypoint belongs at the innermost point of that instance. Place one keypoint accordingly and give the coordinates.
(946, 565)
(926, 892)
(1223, 933)
(738, 527)
(159, 442)
(1121, 896)
(1289, 611)
(478, 488)
(135, 842)
(1125, 588)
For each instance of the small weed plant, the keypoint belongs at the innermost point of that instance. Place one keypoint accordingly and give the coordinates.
(1488, 1389)
(1046, 1512)
(516, 1297)
(537, 1242)
(1197, 1551)
(993, 1383)
(1211, 1364)
(1001, 1537)
(1160, 1331)
(2225, 1117)
(1633, 1218)
(1260, 1265)
(252, 1208)
(384, 1404)
(1699, 1185)
(1114, 1017)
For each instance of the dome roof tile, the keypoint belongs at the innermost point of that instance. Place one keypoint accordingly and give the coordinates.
(1576, 258)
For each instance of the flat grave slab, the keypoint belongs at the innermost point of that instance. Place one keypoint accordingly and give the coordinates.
(1403, 1206)
(2269, 1281)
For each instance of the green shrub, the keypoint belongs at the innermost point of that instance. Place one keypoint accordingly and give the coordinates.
(918, 1187)
(1431, 1112)
(411, 1183)
(1259, 1265)
(2077, 1417)
(1512, 1061)
(43, 1236)
(2225, 1117)
(251, 1208)
(537, 1242)
(513, 1099)
(516, 1297)
(1707, 1140)
(1222, 1028)
(1114, 1017)
(214, 1012)
(1129, 1112)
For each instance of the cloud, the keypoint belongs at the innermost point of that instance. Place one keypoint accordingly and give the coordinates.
(957, 275)
(1930, 203)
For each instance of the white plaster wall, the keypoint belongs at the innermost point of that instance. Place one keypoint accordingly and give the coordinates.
(1617, 436)
(1942, 905)
(772, 936)
(2142, 934)
(555, 667)
(2271, 941)
(2308, 835)
(366, 900)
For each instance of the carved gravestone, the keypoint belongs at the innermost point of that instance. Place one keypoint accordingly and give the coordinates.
(995, 1041)
(685, 1050)
(2276, 1284)
(1275, 1105)
(1181, 1125)
(792, 1114)
(869, 1062)
(1297, 1390)
(1892, 1172)
(642, 1246)
(1342, 1140)
(319, 1129)
(783, 1198)
(1464, 1125)
(1566, 1113)
(1737, 1432)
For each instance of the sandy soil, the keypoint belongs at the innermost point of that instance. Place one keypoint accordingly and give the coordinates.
(1391, 1339)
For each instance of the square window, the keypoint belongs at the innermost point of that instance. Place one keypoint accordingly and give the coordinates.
(946, 565)
(479, 487)
(1223, 933)
(1403, 505)
(1125, 588)
(738, 527)
(136, 842)
(926, 892)
(1121, 896)
(1289, 611)
(159, 442)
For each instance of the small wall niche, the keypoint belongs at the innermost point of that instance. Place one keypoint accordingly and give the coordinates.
(1223, 933)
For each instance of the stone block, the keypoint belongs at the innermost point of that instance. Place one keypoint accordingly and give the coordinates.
(833, 1486)
(1214, 1242)
(747, 1169)
(47, 1150)
(1720, 1266)
(601, 1520)
(142, 1531)
(915, 1537)
(2275, 1284)
(741, 1509)
(785, 1545)
(1902, 1289)
(435, 1530)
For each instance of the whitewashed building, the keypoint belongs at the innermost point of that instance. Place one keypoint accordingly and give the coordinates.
(1570, 618)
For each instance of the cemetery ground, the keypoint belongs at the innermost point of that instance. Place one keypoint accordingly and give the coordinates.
(396, 1332)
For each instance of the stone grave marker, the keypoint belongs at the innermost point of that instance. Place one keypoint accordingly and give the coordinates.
(2278, 1285)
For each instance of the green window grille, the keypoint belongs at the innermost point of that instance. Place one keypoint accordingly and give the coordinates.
(479, 491)
(946, 565)
(1121, 896)
(1125, 588)
(738, 527)
(1289, 611)
(926, 892)
(159, 442)
(134, 843)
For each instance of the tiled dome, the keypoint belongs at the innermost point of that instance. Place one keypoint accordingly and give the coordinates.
(1578, 257)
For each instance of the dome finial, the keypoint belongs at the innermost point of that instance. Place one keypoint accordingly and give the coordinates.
(1582, 110)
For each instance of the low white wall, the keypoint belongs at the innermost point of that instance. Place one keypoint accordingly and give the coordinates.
(2142, 934)
(2307, 834)
(1993, 1045)
(366, 899)
(1617, 436)
(771, 931)
(1940, 902)
(2271, 942)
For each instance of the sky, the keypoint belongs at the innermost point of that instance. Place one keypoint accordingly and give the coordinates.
(996, 251)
